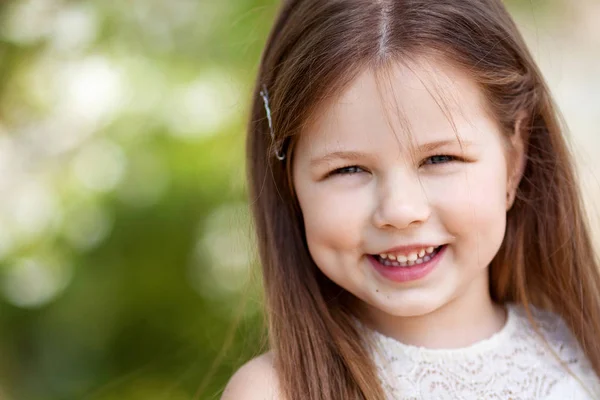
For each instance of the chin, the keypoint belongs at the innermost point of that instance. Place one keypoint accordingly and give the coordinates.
(407, 307)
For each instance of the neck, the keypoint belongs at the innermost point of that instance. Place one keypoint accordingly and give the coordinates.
(460, 322)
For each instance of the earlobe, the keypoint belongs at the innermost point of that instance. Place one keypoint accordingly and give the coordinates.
(509, 200)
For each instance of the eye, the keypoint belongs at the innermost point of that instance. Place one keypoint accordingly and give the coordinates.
(439, 159)
(349, 170)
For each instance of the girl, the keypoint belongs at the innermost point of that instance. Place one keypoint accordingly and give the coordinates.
(419, 222)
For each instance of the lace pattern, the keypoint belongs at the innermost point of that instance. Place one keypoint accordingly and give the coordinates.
(515, 363)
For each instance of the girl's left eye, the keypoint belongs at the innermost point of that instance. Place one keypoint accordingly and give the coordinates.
(439, 159)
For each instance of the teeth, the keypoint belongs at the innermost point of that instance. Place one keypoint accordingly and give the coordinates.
(401, 260)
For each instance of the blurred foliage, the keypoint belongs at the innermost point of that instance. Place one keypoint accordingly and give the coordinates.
(125, 244)
(123, 226)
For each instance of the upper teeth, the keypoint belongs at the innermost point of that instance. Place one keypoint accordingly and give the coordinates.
(412, 256)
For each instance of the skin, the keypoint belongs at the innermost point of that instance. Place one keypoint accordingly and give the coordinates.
(392, 191)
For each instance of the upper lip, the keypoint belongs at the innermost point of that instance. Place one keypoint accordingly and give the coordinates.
(408, 249)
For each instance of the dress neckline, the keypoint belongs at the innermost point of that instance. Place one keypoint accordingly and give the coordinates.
(495, 340)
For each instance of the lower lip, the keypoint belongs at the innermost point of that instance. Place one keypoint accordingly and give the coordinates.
(407, 274)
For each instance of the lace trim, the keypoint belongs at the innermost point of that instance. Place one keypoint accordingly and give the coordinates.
(463, 352)
(513, 363)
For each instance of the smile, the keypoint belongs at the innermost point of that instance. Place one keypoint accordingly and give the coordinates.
(410, 270)
(414, 258)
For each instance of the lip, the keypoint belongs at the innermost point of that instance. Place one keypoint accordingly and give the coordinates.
(408, 249)
(407, 274)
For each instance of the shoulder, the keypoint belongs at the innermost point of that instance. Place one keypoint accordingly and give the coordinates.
(255, 380)
(552, 331)
(564, 345)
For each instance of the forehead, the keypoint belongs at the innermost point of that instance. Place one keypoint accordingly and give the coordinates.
(404, 104)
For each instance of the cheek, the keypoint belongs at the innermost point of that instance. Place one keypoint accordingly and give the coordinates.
(332, 219)
(474, 211)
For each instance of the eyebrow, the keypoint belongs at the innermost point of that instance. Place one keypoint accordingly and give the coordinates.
(356, 155)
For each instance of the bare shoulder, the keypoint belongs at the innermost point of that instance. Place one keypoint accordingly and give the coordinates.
(255, 380)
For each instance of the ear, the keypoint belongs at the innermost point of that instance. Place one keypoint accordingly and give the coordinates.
(517, 159)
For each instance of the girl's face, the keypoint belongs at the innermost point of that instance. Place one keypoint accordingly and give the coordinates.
(380, 175)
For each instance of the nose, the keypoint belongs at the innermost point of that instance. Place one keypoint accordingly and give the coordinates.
(401, 202)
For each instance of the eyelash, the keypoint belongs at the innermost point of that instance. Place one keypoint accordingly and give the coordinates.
(356, 169)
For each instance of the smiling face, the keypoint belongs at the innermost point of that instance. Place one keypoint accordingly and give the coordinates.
(382, 167)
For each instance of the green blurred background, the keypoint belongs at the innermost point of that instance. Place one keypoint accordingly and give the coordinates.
(126, 249)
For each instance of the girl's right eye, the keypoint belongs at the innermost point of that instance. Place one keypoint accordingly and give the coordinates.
(349, 170)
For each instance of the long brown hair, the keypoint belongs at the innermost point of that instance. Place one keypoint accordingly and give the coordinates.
(315, 48)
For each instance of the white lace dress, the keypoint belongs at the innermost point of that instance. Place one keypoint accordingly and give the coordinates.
(512, 364)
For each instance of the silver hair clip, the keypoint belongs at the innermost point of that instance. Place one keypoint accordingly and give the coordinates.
(265, 96)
